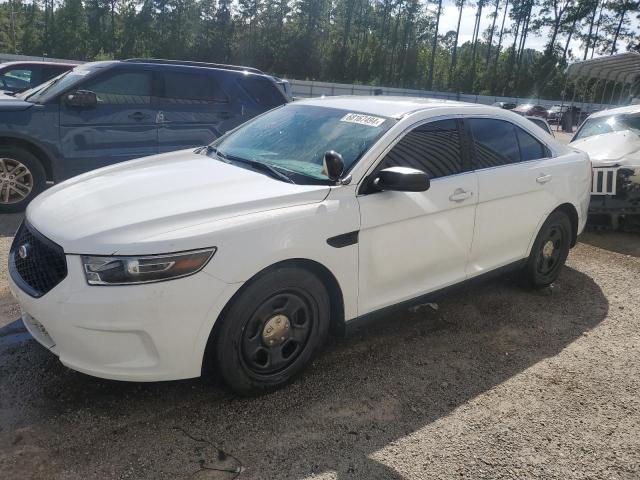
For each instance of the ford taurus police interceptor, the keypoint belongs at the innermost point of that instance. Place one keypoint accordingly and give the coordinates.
(317, 215)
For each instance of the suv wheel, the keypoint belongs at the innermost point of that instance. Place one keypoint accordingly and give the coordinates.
(22, 177)
(272, 330)
(549, 251)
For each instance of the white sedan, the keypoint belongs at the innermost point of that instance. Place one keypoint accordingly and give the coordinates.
(316, 216)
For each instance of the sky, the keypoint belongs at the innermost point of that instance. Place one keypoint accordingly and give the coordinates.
(449, 20)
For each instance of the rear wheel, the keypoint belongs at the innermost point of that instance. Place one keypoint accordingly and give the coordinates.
(549, 251)
(22, 177)
(272, 330)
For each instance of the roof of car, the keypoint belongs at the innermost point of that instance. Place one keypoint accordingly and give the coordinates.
(616, 111)
(394, 107)
(37, 62)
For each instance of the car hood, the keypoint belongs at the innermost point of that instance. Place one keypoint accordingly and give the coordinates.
(12, 104)
(608, 149)
(111, 209)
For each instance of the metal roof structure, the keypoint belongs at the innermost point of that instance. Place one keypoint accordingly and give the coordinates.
(622, 68)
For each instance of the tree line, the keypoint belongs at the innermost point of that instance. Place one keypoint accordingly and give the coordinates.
(383, 42)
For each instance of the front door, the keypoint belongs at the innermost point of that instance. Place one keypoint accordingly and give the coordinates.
(412, 243)
(122, 126)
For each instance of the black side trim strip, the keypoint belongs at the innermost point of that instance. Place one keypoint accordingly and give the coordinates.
(352, 326)
(344, 240)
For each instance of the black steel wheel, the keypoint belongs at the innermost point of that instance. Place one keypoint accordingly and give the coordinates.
(278, 331)
(271, 330)
(549, 252)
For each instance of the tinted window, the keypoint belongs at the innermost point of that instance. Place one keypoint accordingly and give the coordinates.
(122, 88)
(433, 148)
(185, 87)
(495, 142)
(530, 148)
(262, 91)
(50, 72)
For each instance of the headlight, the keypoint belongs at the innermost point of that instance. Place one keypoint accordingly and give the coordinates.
(127, 270)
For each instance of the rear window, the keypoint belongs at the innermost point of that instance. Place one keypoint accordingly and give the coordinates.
(262, 91)
(185, 87)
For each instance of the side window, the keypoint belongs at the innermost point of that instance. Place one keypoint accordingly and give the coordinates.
(530, 148)
(433, 148)
(185, 87)
(495, 142)
(265, 93)
(122, 88)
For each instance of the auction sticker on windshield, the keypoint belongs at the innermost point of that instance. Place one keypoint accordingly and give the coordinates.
(363, 119)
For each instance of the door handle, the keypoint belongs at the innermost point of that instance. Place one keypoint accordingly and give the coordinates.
(460, 195)
(224, 115)
(138, 116)
(543, 179)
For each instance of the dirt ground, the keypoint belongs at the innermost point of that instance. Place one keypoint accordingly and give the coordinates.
(497, 383)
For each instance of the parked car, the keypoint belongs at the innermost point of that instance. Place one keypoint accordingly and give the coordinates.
(542, 123)
(612, 140)
(321, 213)
(106, 112)
(505, 105)
(554, 114)
(19, 76)
(528, 110)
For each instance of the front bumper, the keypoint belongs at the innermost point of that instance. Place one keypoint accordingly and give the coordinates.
(147, 332)
(615, 190)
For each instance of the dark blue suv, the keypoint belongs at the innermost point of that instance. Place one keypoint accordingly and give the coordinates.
(106, 112)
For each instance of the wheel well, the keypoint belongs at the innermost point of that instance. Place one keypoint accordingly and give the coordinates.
(572, 213)
(36, 151)
(323, 273)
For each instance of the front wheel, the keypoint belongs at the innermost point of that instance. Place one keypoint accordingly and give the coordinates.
(272, 330)
(549, 251)
(22, 177)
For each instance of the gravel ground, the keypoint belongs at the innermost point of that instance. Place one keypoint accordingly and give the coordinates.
(497, 382)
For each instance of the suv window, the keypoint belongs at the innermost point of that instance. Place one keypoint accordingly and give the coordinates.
(185, 87)
(122, 88)
(495, 142)
(433, 148)
(530, 148)
(262, 91)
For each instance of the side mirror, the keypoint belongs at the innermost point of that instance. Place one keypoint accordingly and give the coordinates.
(82, 99)
(401, 179)
(333, 165)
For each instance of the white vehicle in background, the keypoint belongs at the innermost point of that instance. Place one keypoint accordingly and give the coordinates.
(322, 213)
(612, 140)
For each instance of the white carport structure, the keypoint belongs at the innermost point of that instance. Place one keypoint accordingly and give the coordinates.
(621, 71)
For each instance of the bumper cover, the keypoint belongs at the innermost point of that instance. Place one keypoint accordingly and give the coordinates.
(146, 332)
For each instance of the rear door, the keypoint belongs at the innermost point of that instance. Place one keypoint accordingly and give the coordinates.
(515, 177)
(194, 108)
(122, 126)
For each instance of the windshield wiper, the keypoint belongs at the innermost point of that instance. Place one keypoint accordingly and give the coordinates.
(265, 167)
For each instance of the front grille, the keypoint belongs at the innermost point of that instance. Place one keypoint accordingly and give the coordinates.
(604, 181)
(36, 263)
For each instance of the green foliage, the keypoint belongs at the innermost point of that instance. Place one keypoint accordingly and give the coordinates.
(385, 42)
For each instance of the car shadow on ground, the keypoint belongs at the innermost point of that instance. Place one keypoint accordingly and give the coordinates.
(362, 394)
(619, 242)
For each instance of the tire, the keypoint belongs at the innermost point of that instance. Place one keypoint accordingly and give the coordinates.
(549, 251)
(272, 330)
(17, 192)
